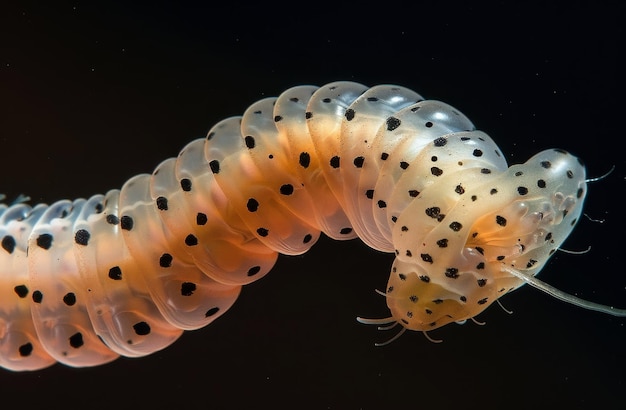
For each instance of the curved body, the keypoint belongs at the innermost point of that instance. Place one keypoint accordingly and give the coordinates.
(125, 273)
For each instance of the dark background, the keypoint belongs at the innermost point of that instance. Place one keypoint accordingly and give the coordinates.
(94, 92)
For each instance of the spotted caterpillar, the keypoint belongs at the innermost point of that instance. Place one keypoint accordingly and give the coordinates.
(124, 273)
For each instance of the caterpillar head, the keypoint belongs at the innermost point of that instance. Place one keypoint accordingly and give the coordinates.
(451, 251)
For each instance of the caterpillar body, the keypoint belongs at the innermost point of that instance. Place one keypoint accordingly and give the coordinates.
(124, 273)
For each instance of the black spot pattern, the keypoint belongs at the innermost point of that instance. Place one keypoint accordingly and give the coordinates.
(185, 184)
(82, 237)
(115, 273)
(8, 243)
(44, 241)
(21, 291)
(141, 328)
(187, 288)
(76, 340)
(69, 299)
(304, 160)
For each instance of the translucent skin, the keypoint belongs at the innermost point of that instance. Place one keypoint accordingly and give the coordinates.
(126, 272)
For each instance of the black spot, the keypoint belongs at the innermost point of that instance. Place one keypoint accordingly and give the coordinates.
(474, 197)
(482, 301)
(485, 171)
(252, 205)
(477, 153)
(456, 226)
(37, 296)
(82, 237)
(493, 191)
(345, 231)
(76, 340)
(434, 158)
(530, 263)
(326, 100)
(433, 212)
(305, 159)
(408, 253)
(392, 123)
(394, 219)
(424, 278)
(413, 298)
(437, 301)
(579, 193)
(277, 118)
(69, 299)
(115, 273)
(522, 190)
(500, 220)
(519, 173)
(358, 162)
(569, 174)
(481, 282)
(201, 219)
(426, 258)
(249, 140)
(384, 156)
(548, 236)
(372, 99)
(481, 265)
(463, 299)
(413, 193)
(440, 142)
(452, 273)
(334, 162)
(546, 164)
(215, 166)
(541, 183)
(126, 222)
(500, 257)
(479, 249)
(185, 184)
(21, 291)
(262, 232)
(141, 328)
(8, 243)
(428, 124)
(382, 204)
(112, 219)
(459, 189)
(307, 238)
(436, 171)
(286, 189)
(191, 240)
(26, 349)
(369, 193)
(404, 164)
(442, 243)
(254, 270)
(161, 203)
(44, 241)
(165, 261)
(308, 115)
(404, 228)
(402, 276)
(349, 114)
(211, 312)
(187, 288)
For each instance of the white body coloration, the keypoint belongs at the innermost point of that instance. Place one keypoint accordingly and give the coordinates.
(124, 273)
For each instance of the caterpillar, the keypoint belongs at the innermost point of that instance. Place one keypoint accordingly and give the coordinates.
(125, 273)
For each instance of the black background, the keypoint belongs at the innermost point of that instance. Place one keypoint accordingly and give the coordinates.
(95, 92)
